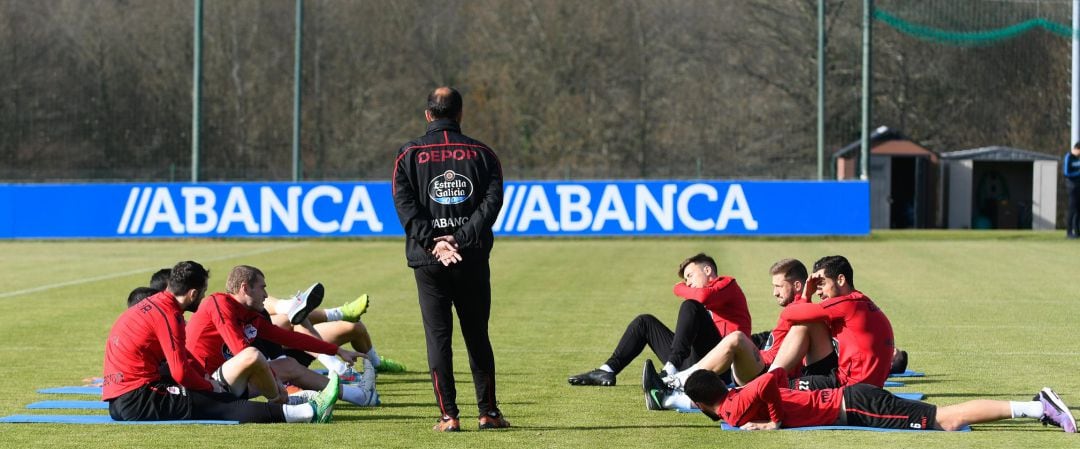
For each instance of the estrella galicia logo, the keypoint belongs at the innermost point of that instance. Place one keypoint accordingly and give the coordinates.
(450, 188)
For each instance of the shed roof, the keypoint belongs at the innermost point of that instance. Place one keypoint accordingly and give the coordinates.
(888, 141)
(997, 153)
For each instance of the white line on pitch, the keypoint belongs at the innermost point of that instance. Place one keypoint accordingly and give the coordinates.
(133, 272)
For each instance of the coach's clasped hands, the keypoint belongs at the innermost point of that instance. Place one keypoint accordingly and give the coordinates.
(446, 250)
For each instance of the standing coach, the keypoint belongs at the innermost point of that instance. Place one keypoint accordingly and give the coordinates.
(448, 189)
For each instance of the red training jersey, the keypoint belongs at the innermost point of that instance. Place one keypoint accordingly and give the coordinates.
(146, 334)
(777, 337)
(723, 298)
(768, 398)
(223, 327)
(863, 334)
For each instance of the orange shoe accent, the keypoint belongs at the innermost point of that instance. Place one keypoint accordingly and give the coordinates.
(447, 424)
(493, 422)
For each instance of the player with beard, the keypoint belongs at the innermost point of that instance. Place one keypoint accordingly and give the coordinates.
(152, 332)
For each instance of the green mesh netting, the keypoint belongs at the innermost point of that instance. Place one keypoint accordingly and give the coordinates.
(970, 38)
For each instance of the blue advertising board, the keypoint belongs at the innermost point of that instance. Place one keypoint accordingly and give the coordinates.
(359, 209)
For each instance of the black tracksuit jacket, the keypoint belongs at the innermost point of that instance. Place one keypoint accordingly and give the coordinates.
(447, 183)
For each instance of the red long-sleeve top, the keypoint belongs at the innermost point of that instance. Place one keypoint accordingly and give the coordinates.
(146, 334)
(863, 334)
(223, 327)
(779, 333)
(768, 398)
(724, 299)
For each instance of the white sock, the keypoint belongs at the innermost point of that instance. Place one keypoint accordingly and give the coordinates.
(670, 369)
(678, 399)
(1026, 409)
(355, 395)
(334, 314)
(374, 357)
(681, 376)
(333, 363)
(298, 413)
(607, 368)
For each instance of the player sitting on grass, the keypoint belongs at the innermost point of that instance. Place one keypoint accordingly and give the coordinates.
(151, 334)
(864, 338)
(339, 325)
(713, 306)
(766, 403)
(228, 323)
(736, 351)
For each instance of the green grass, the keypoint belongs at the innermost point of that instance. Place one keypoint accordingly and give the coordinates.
(986, 315)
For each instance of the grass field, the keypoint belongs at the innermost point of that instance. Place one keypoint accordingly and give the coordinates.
(986, 315)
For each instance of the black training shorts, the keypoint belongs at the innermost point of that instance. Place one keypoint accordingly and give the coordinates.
(869, 406)
(158, 401)
(818, 375)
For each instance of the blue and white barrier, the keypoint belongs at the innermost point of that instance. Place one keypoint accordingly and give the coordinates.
(358, 209)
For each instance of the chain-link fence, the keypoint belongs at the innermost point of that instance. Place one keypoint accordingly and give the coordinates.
(101, 89)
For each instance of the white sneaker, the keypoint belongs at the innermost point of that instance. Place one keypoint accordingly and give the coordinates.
(367, 378)
(304, 302)
(302, 397)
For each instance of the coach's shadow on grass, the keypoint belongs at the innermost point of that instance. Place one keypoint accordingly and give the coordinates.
(424, 404)
(374, 417)
(592, 428)
(1012, 396)
(391, 380)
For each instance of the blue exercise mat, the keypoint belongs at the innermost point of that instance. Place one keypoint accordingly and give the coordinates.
(893, 383)
(909, 373)
(72, 390)
(73, 405)
(99, 419)
(724, 426)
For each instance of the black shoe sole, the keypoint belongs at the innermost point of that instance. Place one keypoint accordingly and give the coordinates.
(583, 381)
(314, 300)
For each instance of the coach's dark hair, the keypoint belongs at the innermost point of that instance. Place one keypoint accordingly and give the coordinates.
(241, 274)
(791, 269)
(444, 102)
(705, 387)
(160, 279)
(1077, 145)
(699, 259)
(139, 294)
(186, 276)
(834, 266)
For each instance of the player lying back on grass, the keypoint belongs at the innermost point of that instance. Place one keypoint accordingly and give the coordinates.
(766, 403)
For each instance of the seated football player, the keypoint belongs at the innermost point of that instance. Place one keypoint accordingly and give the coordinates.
(151, 334)
(225, 326)
(863, 335)
(736, 351)
(712, 307)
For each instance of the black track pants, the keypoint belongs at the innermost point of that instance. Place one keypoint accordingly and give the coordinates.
(466, 287)
(694, 336)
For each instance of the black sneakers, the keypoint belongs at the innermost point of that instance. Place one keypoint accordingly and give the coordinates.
(595, 377)
(653, 386)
